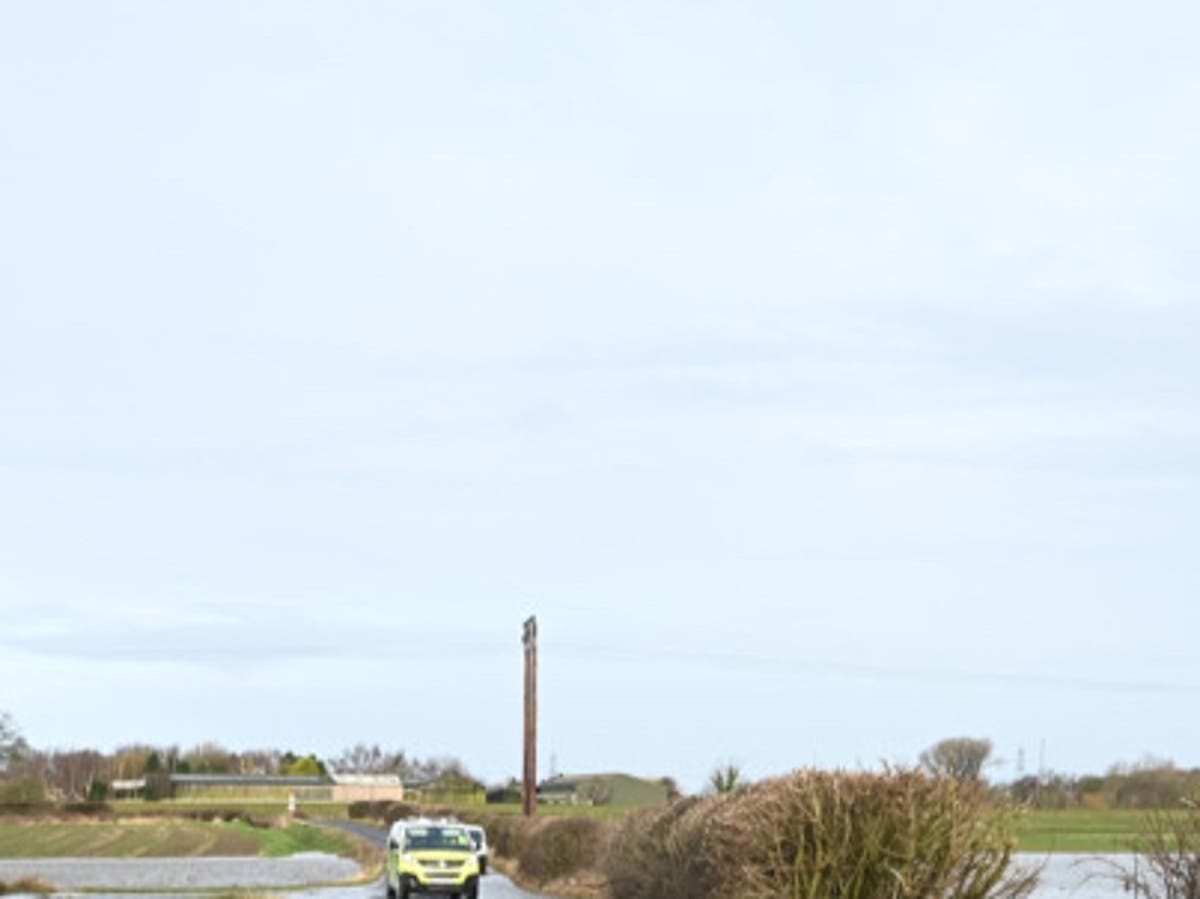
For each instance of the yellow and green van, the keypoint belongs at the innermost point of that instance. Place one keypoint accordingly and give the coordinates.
(431, 857)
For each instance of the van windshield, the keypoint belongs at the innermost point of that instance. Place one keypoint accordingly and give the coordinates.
(437, 838)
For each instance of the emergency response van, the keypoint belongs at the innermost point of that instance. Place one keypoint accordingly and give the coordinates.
(432, 858)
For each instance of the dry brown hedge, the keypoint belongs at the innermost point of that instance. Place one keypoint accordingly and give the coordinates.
(380, 810)
(26, 885)
(554, 848)
(821, 835)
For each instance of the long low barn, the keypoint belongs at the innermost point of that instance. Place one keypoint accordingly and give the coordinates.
(272, 787)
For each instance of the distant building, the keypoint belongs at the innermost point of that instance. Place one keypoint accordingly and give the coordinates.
(127, 789)
(265, 787)
(620, 790)
(447, 788)
(367, 787)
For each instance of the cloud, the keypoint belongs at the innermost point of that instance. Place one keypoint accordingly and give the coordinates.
(236, 634)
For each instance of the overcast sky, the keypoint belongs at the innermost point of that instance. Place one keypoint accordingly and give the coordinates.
(824, 376)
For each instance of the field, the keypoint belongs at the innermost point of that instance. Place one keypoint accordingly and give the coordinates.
(259, 809)
(1080, 830)
(601, 812)
(160, 838)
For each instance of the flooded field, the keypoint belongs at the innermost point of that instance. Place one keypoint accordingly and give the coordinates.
(1064, 876)
(1068, 876)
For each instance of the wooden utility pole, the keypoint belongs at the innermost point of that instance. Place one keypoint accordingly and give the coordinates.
(529, 776)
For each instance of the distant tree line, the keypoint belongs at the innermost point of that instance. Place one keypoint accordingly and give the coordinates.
(28, 774)
(1151, 783)
(1148, 784)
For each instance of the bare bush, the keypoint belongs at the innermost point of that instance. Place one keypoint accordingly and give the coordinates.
(962, 758)
(815, 835)
(26, 886)
(658, 851)
(1169, 852)
(12, 745)
(561, 847)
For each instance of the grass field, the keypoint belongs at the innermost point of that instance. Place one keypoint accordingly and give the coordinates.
(161, 838)
(602, 812)
(1081, 830)
(268, 810)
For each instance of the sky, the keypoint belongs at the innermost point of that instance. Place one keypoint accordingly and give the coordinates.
(822, 376)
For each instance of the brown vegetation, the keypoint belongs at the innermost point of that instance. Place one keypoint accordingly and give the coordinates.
(1149, 784)
(26, 885)
(810, 835)
(1170, 856)
(813, 835)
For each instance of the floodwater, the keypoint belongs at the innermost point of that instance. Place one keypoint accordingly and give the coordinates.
(140, 877)
(1062, 876)
(1068, 876)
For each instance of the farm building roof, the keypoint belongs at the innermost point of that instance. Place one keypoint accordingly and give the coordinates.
(248, 780)
(366, 780)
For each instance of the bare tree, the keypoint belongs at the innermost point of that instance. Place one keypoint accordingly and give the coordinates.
(12, 744)
(210, 758)
(962, 758)
(129, 762)
(260, 761)
(672, 785)
(364, 759)
(68, 774)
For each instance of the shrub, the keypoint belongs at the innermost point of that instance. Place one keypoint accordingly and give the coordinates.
(221, 814)
(560, 847)
(26, 885)
(24, 808)
(656, 852)
(85, 808)
(507, 834)
(899, 835)
(1170, 852)
(21, 791)
(381, 810)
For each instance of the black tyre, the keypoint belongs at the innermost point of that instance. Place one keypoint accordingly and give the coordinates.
(472, 889)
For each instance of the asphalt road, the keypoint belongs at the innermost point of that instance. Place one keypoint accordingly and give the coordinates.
(493, 885)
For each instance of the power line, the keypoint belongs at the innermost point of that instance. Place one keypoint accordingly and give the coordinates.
(784, 664)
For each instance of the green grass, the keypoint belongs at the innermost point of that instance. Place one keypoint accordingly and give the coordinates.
(1080, 830)
(295, 838)
(161, 839)
(254, 808)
